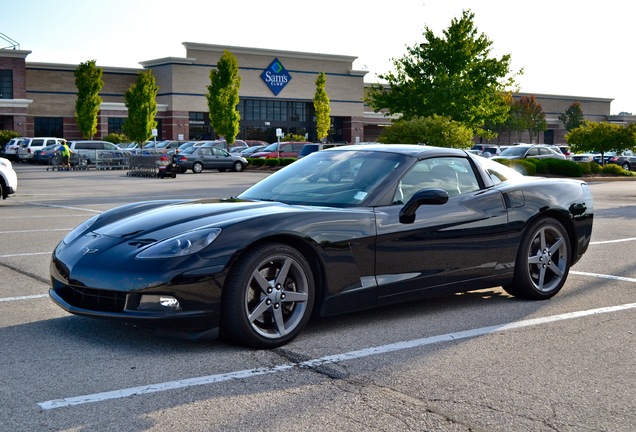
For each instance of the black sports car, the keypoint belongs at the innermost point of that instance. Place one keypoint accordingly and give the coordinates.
(340, 230)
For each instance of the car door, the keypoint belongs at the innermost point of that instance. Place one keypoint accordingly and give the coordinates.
(447, 244)
(204, 155)
(221, 158)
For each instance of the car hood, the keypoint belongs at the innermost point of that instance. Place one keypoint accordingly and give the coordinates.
(173, 218)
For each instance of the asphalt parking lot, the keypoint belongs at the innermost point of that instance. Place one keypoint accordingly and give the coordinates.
(481, 361)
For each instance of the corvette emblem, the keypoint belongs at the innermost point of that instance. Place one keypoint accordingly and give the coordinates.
(89, 251)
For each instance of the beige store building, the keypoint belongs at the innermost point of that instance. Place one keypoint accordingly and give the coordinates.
(277, 90)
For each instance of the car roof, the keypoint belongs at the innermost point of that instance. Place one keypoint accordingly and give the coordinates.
(414, 150)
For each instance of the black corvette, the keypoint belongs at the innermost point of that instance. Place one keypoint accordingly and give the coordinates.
(343, 229)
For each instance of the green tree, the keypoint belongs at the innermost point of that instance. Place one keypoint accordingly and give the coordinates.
(572, 117)
(532, 117)
(601, 137)
(223, 97)
(141, 101)
(436, 131)
(89, 82)
(321, 107)
(451, 76)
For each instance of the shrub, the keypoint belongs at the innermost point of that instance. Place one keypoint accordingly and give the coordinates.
(613, 169)
(540, 164)
(6, 136)
(116, 138)
(564, 168)
(257, 162)
(272, 162)
(590, 167)
(287, 161)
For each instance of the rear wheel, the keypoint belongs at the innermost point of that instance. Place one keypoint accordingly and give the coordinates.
(625, 166)
(197, 167)
(543, 261)
(268, 297)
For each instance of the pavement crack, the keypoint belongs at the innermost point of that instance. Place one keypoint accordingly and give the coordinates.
(25, 273)
(330, 370)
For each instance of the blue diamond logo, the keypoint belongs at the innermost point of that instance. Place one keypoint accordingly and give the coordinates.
(276, 77)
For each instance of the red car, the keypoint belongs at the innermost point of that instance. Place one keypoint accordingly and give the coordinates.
(287, 150)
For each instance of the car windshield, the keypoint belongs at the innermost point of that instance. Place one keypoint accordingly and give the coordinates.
(331, 178)
(514, 151)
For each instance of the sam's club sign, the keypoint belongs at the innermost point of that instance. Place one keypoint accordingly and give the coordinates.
(276, 76)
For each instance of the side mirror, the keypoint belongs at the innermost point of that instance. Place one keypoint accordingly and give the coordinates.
(422, 197)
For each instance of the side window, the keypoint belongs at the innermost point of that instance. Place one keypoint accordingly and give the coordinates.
(454, 175)
(205, 151)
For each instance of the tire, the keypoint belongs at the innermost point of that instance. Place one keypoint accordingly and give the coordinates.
(334, 176)
(543, 261)
(197, 167)
(268, 297)
(238, 167)
(625, 166)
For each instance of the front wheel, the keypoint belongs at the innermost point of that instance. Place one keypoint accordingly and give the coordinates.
(238, 166)
(268, 297)
(626, 166)
(543, 261)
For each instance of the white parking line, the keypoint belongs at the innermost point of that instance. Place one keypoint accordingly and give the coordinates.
(351, 355)
(613, 241)
(31, 297)
(603, 276)
(25, 254)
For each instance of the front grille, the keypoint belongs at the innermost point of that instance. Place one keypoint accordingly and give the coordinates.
(94, 299)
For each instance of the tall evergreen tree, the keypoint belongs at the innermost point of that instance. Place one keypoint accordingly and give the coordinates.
(572, 117)
(141, 101)
(321, 107)
(451, 76)
(223, 97)
(89, 82)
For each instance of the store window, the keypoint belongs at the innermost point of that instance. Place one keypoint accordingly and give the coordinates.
(6, 84)
(48, 127)
(116, 125)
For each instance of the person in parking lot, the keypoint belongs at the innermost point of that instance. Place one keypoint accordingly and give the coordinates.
(66, 156)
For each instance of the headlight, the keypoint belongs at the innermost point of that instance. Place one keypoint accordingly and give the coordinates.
(181, 245)
(79, 230)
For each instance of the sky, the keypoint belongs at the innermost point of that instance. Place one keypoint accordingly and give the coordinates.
(564, 47)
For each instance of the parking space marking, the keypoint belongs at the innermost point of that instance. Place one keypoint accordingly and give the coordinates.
(35, 231)
(25, 254)
(603, 276)
(613, 241)
(310, 364)
(31, 297)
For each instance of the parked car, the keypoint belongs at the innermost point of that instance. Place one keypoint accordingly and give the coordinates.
(487, 150)
(533, 151)
(313, 147)
(254, 143)
(109, 153)
(11, 149)
(565, 149)
(28, 147)
(43, 156)
(288, 149)
(255, 269)
(199, 158)
(584, 157)
(625, 159)
(248, 152)
(8, 179)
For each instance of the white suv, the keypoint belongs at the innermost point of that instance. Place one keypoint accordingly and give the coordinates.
(28, 146)
(11, 148)
(8, 178)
